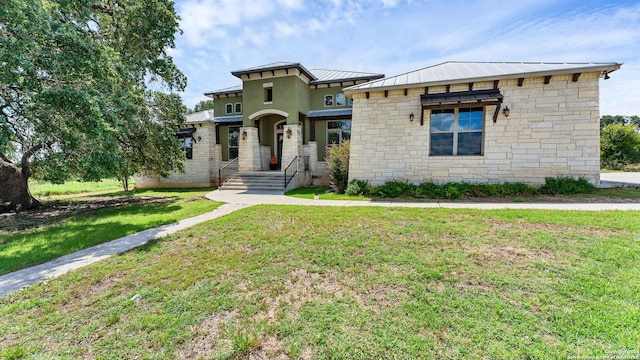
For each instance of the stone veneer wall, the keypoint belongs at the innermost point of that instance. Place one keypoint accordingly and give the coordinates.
(200, 171)
(552, 130)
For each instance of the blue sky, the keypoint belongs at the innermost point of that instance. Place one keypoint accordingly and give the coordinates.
(396, 36)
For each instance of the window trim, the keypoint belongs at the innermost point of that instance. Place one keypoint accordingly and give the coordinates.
(235, 108)
(228, 108)
(327, 96)
(339, 131)
(229, 147)
(188, 150)
(455, 132)
(344, 98)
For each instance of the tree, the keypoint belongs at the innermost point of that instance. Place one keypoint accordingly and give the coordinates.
(619, 146)
(619, 119)
(73, 98)
(202, 105)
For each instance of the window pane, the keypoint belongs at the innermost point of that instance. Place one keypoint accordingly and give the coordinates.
(344, 124)
(470, 143)
(470, 119)
(442, 120)
(333, 137)
(233, 136)
(441, 144)
(238, 108)
(229, 108)
(328, 100)
(346, 135)
(340, 100)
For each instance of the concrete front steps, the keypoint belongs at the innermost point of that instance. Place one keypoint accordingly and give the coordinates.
(261, 181)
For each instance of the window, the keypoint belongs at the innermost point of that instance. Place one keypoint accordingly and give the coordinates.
(186, 144)
(338, 131)
(234, 132)
(341, 100)
(456, 131)
(268, 94)
(328, 100)
(238, 109)
(229, 108)
(350, 102)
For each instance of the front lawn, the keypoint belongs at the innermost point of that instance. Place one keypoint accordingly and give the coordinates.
(349, 283)
(126, 213)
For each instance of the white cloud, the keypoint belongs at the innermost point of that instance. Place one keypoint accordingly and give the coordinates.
(203, 19)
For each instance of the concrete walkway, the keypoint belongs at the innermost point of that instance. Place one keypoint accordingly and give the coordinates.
(250, 198)
(18, 279)
(620, 179)
(236, 200)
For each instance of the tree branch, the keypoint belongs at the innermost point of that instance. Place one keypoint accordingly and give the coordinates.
(26, 169)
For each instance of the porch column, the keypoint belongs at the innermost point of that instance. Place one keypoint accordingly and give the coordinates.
(249, 150)
(292, 147)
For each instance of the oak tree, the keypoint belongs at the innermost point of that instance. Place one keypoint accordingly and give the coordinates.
(74, 98)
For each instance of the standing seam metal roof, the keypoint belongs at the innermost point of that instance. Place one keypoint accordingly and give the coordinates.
(455, 71)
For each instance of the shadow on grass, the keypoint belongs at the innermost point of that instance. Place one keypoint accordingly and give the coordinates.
(158, 191)
(76, 233)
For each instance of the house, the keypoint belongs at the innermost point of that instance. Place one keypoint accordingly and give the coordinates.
(479, 122)
(455, 121)
(281, 113)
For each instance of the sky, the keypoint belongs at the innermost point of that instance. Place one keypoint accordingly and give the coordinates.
(397, 36)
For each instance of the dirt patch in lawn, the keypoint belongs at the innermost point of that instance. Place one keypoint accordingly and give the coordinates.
(60, 209)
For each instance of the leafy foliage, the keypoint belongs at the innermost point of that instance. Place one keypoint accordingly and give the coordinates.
(619, 120)
(453, 191)
(619, 146)
(201, 106)
(338, 164)
(566, 185)
(73, 88)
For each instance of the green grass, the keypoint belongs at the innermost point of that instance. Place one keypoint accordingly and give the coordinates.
(349, 283)
(73, 187)
(60, 237)
(309, 192)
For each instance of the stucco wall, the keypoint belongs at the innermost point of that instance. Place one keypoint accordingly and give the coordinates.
(552, 130)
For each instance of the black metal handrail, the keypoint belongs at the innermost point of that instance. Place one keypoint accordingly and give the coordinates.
(287, 181)
(231, 169)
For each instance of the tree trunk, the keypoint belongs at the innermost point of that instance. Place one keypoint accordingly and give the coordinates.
(14, 188)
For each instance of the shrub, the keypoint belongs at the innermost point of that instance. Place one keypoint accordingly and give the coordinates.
(394, 189)
(338, 165)
(357, 187)
(566, 185)
(619, 146)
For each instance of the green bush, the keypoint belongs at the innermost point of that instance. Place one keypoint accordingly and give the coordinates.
(357, 187)
(566, 185)
(454, 191)
(619, 146)
(338, 165)
(394, 189)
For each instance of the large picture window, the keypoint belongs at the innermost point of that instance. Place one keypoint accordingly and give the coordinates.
(338, 131)
(234, 132)
(456, 131)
